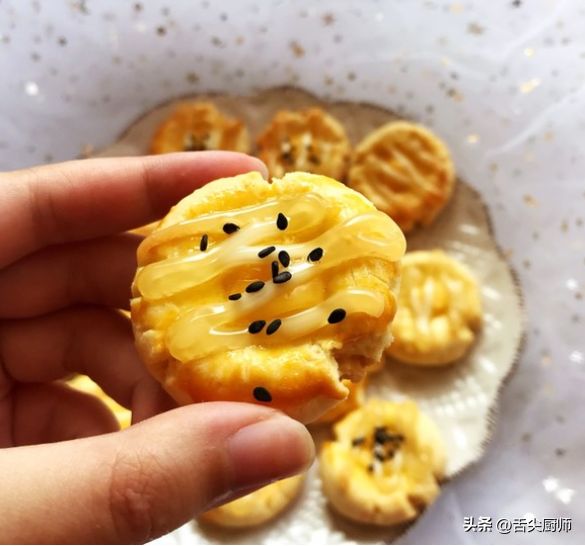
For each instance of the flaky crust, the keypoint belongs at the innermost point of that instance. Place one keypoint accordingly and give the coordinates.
(402, 487)
(406, 171)
(439, 312)
(308, 140)
(258, 507)
(304, 377)
(195, 126)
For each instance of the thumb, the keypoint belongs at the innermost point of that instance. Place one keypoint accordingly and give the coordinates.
(135, 485)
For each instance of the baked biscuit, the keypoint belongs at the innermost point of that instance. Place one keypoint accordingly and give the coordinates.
(385, 464)
(196, 126)
(354, 400)
(257, 507)
(84, 384)
(267, 292)
(439, 310)
(308, 140)
(406, 171)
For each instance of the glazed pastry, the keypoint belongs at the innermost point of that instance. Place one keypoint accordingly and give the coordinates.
(406, 171)
(385, 464)
(354, 400)
(439, 311)
(267, 292)
(85, 384)
(308, 140)
(196, 126)
(257, 507)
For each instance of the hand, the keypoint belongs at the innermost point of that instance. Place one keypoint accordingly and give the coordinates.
(65, 268)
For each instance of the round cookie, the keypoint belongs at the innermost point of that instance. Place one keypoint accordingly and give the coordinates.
(308, 140)
(406, 171)
(439, 310)
(258, 507)
(267, 292)
(196, 126)
(384, 466)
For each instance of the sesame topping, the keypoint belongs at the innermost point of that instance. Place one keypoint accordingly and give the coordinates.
(204, 242)
(256, 326)
(284, 258)
(358, 441)
(282, 277)
(281, 221)
(315, 255)
(337, 315)
(230, 228)
(273, 326)
(266, 251)
(235, 296)
(274, 266)
(261, 394)
(255, 286)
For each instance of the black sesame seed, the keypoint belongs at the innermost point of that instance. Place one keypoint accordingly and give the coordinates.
(230, 228)
(380, 456)
(282, 277)
(281, 221)
(284, 258)
(261, 394)
(337, 315)
(273, 326)
(255, 286)
(266, 251)
(234, 297)
(358, 441)
(204, 242)
(370, 468)
(390, 455)
(381, 436)
(274, 268)
(315, 255)
(256, 326)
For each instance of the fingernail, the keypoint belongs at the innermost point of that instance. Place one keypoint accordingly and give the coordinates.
(269, 450)
(262, 168)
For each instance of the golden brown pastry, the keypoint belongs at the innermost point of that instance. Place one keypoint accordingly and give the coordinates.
(354, 400)
(439, 310)
(385, 464)
(195, 126)
(406, 171)
(309, 140)
(267, 292)
(258, 507)
(85, 384)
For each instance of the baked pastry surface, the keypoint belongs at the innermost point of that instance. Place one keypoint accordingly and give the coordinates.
(439, 310)
(258, 507)
(354, 400)
(406, 171)
(267, 292)
(384, 466)
(196, 126)
(306, 140)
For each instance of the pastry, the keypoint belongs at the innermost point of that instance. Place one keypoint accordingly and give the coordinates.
(257, 507)
(85, 384)
(267, 292)
(406, 171)
(354, 400)
(308, 140)
(439, 310)
(196, 126)
(385, 464)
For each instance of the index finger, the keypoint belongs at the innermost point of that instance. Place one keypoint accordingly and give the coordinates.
(90, 198)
